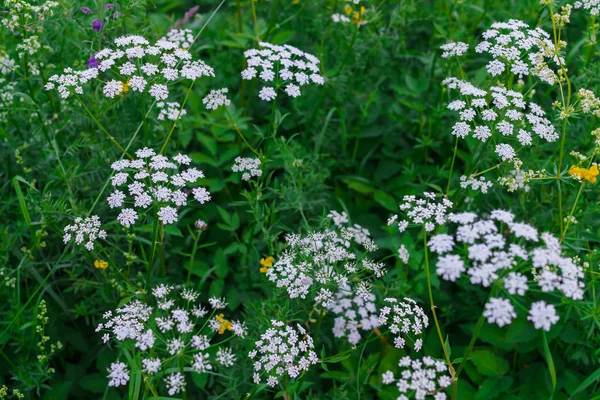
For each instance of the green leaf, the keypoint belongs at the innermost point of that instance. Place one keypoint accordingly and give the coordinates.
(386, 200)
(488, 363)
(550, 361)
(594, 377)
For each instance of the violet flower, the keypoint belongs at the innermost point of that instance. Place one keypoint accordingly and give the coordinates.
(97, 25)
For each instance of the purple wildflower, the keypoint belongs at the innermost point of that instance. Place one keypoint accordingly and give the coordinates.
(86, 10)
(97, 25)
(116, 15)
(109, 7)
(92, 62)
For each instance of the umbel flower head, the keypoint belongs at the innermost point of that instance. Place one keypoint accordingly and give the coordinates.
(319, 263)
(406, 320)
(85, 230)
(154, 180)
(174, 327)
(506, 117)
(420, 378)
(249, 167)
(353, 312)
(281, 67)
(521, 50)
(138, 66)
(282, 350)
(496, 248)
(426, 211)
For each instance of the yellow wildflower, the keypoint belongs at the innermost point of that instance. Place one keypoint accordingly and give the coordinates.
(266, 264)
(357, 16)
(348, 10)
(100, 264)
(125, 87)
(585, 174)
(223, 324)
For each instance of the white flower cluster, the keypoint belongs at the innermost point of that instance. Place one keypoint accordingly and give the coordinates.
(454, 49)
(84, 229)
(138, 66)
(340, 18)
(353, 312)
(23, 16)
(420, 378)
(177, 325)
(426, 211)
(523, 51)
(404, 318)
(154, 180)
(170, 111)
(282, 350)
(325, 261)
(216, 99)
(481, 184)
(249, 166)
(497, 247)
(7, 95)
(508, 116)
(281, 67)
(7, 64)
(593, 6)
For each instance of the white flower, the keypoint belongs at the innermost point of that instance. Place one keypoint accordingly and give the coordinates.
(284, 66)
(543, 315)
(167, 215)
(402, 318)
(201, 194)
(118, 374)
(267, 93)
(112, 88)
(175, 383)
(84, 229)
(282, 350)
(216, 99)
(251, 165)
(151, 365)
(454, 49)
(499, 311)
(423, 376)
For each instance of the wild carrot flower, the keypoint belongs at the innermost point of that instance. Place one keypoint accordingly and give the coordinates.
(427, 211)
(216, 99)
(420, 378)
(154, 180)
(406, 320)
(84, 229)
(498, 248)
(507, 117)
(353, 312)
(249, 166)
(139, 64)
(170, 327)
(521, 50)
(454, 49)
(281, 67)
(321, 262)
(282, 350)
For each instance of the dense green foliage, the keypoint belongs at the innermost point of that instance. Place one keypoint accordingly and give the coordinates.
(377, 130)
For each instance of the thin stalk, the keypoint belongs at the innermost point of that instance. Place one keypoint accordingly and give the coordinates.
(177, 119)
(237, 129)
(432, 304)
(108, 135)
(452, 166)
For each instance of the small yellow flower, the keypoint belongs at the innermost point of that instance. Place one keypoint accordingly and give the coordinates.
(348, 10)
(357, 16)
(125, 87)
(223, 324)
(266, 264)
(585, 174)
(100, 264)
(296, 2)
